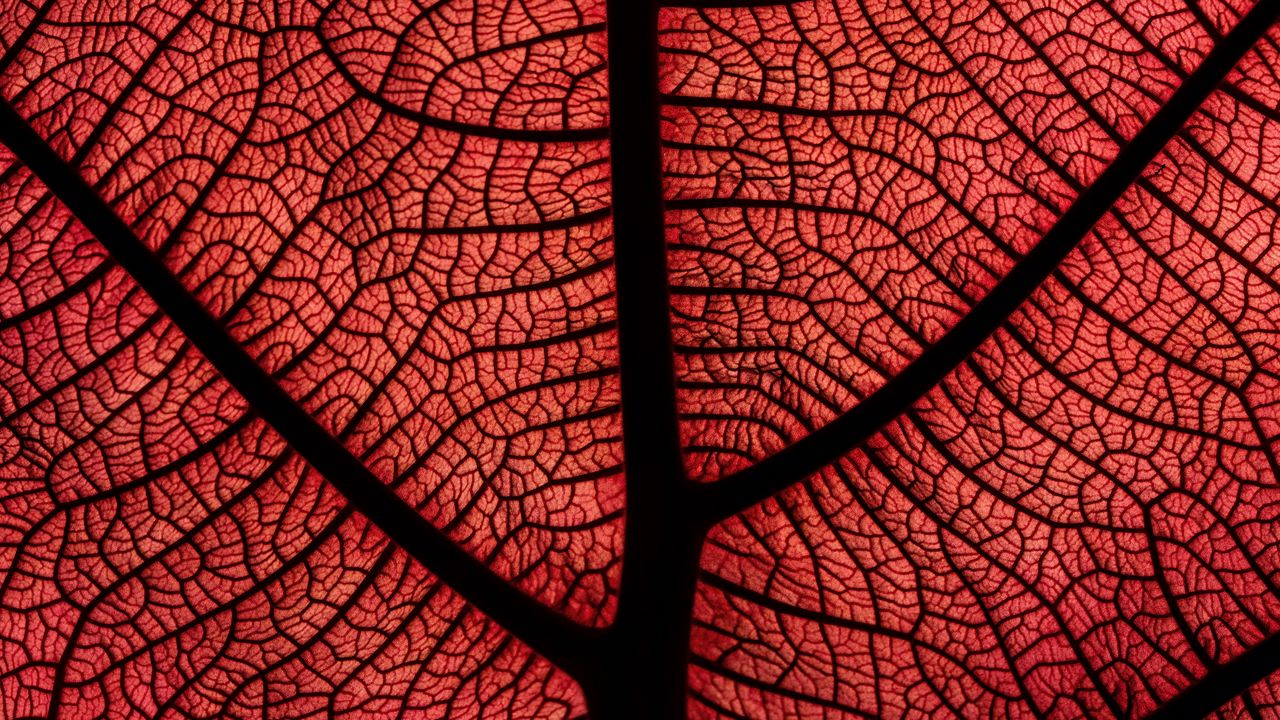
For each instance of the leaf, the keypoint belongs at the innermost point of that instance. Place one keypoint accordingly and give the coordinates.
(340, 339)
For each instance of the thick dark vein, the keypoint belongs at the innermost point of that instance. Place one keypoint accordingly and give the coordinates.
(549, 633)
(1223, 682)
(644, 671)
(824, 446)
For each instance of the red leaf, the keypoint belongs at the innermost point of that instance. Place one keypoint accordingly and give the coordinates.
(332, 332)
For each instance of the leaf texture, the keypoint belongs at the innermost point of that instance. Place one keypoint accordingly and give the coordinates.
(1074, 521)
(420, 309)
(343, 350)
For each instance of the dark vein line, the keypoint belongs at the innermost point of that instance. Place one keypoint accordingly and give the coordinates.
(780, 689)
(361, 90)
(822, 447)
(651, 434)
(1223, 682)
(644, 671)
(727, 4)
(779, 607)
(548, 632)
(20, 43)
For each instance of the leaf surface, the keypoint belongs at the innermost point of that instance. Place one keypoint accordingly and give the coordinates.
(323, 393)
